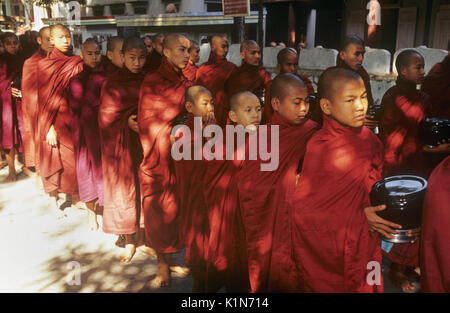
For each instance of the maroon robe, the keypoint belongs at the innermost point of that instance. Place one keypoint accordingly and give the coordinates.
(57, 164)
(30, 107)
(332, 242)
(84, 102)
(121, 153)
(437, 85)
(213, 75)
(250, 78)
(161, 100)
(265, 212)
(11, 127)
(435, 253)
(153, 61)
(190, 71)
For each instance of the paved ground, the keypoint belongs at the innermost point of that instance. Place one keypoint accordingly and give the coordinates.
(38, 250)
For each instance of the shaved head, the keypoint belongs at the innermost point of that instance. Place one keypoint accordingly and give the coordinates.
(351, 40)
(404, 58)
(89, 42)
(217, 38)
(219, 45)
(113, 42)
(60, 38)
(246, 44)
(176, 50)
(44, 30)
(284, 53)
(193, 92)
(133, 43)
(283, 83)
(241, 98)
(59, 27)
(332, 79)
(171, 40)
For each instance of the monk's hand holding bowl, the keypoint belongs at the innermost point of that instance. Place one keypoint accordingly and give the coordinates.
(52, 136)
(443, 147)
(132, 123)
(378, 224)
(370, 122)
(16, 93)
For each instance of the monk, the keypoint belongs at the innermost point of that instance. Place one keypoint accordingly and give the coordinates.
(227, 255)
(191, 69)
(113, 61)
(121, 151)
(250, 76)
(154, 58)
(84, 101)
(56, 151)
(189, 173)
(351, 57)
(214, 73)
(11, 130)
(263, 194)
(434, 256)
(161, 100)
(333, 224)
(148, 43)
(30, 99)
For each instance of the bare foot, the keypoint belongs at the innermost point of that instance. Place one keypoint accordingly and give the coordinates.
(11, 177)
(180, 270)
(127, 255)
(92, 221)
(147, 250)
(163, 278)
(28, 172)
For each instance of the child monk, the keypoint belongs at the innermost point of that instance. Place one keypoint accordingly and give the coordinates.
(191, 69)
(84, 101)
(30, 98)
(56, 151)
(11, 131)
(262, 194)
(148, 43)
(332, 217)
(113, 61)
(121, 151)
(154, 58)
(194, 229)
(214, 73)
(161, 100)
(250, 76)
(227, 255)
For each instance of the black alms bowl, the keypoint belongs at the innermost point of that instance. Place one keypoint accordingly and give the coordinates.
(433, 130)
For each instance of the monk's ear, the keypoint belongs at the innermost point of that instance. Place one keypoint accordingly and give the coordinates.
(166, 53)
(232, 116)
(341, 55)
(279, 67)
(39, 40)
(122, 57)
(403, 70)
(325, 105)
(242, 54)
(189, 106)
(109, 55)
(275, 104)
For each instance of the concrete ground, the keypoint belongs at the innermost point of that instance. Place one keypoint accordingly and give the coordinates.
(38, 251)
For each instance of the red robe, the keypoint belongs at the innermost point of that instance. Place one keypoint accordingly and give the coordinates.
(153, 62)
(84, 102)
(437, 86)
(11, 127)
(265, 212)
(250, 78)
(213, 75)
(190, 71)
(121, 152)
(332, 242)
(227, 256)
(435, 253)
(57, 164)
(30, 106)
(161, 100)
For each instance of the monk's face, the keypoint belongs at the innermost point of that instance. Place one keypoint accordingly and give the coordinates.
(11, 45)
(134, 60)
(61, 40)
(157, 44)
(220, 47)
(203, 106)
(148, 44)
(195, 54)
(251, 55)
(178, 53)
(353, 56)
(91, 55)
(414, 72)
(44, 40)
(248, 113)
(115, 56)
(349, 104)
(289, 64)
(294, 105)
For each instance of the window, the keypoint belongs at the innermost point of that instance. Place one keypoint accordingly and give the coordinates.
(97, 10)
(140, 7)
(213, 5)
(118, 9)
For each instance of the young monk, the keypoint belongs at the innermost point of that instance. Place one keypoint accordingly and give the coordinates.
(154, 58)
(333, 223)
(84, 101)
(30, 99)
(161, 100)
(11, 131)
(227, 255)
(56, 152)
(435, 256)
(189, 174)
(214, 73)
(351, 57)
(191, 69)
(113, 61)
(250, 76)
(148, 43)
(262, 194)
(120, 147)
(402, 109)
